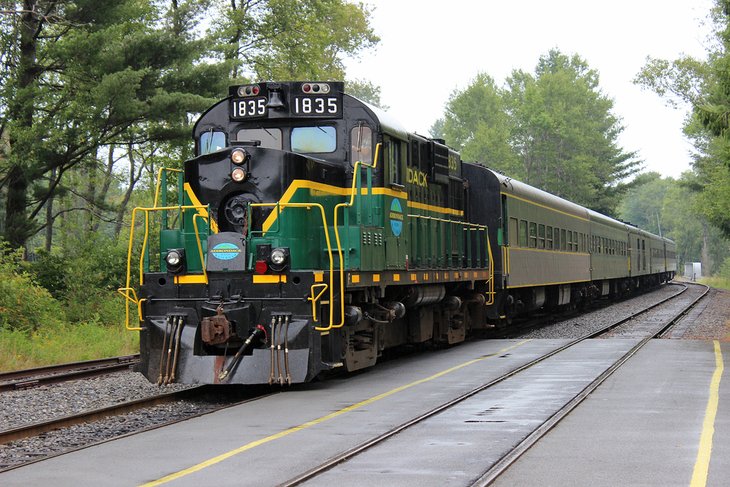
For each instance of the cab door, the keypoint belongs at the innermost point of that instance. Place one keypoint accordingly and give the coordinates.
(395, 203)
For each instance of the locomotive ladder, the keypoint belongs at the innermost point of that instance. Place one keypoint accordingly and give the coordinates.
(201, 211)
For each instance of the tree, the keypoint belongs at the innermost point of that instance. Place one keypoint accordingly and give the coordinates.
(644, 203)
(91, 85)
(476, 121)
(553, 129)
(289, 39)
(565, 134)
(365, 91)
(82, 75)
(704, 86)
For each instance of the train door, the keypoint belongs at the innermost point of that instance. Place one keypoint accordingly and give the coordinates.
(397, 231)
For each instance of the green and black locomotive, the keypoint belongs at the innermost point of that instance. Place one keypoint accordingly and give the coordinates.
(311, 232)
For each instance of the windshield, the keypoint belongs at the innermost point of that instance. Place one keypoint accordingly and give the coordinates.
(269, 138)
(313, 139)
(212, 141)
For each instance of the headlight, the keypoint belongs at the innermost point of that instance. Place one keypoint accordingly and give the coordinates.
(238, 156)
(175, 260)
(279, 259)
(278, 256)
(238, 175)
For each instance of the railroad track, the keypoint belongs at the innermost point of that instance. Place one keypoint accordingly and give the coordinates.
(503, 463)
(36, 429)
(53, 374)
(235, 397)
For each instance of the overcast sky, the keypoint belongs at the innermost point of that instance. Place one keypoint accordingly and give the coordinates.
(429, 48)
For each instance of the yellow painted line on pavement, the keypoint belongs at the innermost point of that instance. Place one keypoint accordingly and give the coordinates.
(314, 422)
(702, 464)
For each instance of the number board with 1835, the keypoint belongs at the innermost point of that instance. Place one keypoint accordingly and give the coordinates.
(316, 106)
(248, 107)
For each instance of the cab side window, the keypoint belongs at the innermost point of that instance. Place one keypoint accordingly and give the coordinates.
(393, 157)
(361, 145)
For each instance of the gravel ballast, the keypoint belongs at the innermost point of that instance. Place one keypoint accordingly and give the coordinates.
(710, 320)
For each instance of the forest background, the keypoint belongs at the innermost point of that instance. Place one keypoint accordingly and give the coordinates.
(97, 95)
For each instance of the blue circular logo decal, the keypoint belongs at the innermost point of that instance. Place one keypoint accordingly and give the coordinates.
(225, 251)
(396, 217)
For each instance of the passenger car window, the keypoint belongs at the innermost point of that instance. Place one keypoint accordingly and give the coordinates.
(533, 235)
(523, 233)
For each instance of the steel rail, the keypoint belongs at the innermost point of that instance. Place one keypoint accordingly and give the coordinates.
(35, 429)
(362, 447)
(52, 374)
(513, 455)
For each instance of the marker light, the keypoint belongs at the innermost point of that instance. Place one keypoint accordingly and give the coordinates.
(238, 175)
(316, 88)
(278, 256)
(261, 267)
(250, 90)
(239, 156)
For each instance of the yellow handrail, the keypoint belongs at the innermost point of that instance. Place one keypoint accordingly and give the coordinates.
(353, 191)
(159, 181)
(314, 298)
(128, 292)
(309, 206)
(200, 245)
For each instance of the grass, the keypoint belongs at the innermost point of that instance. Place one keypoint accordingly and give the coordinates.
(64, 343)
(716, 282)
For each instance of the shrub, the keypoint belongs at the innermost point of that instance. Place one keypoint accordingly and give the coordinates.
(725, 269)
(64, 343)
(93, 273)
(49, 271)
(24, 305)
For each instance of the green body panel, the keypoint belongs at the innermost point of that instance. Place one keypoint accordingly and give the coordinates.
(534, 263)
(302, 230)
(183, 235)
(607, 261)
(372, 249)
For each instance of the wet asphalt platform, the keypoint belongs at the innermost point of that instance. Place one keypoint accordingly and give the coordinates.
(662, 419)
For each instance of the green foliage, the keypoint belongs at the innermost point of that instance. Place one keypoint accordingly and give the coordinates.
(553, 129)
(478, 123)
(716, 282)
(290, 39)
(705, 86)
(24, 305)
(37, 329)
(84, 278)
(725, 269)
(49, 271)
(644, 203)
(64, 343)
(365, 91)
(670, 207)
(99, 74)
